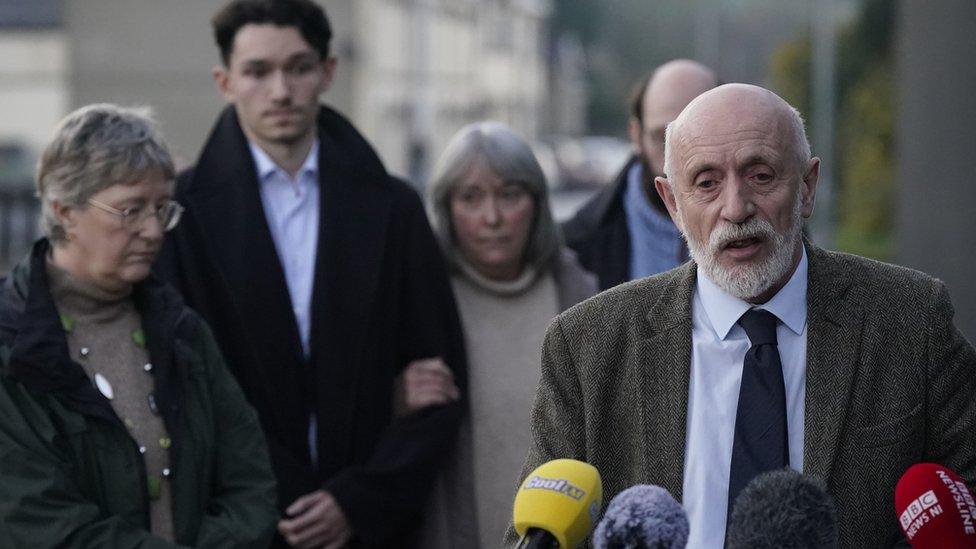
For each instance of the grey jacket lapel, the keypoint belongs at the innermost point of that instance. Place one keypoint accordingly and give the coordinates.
(833, 343)
(665, 380)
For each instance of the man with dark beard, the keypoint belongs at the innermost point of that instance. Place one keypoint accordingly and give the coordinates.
(765, 351)
(624, 232)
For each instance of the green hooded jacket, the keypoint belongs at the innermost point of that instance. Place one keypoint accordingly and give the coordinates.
(70, 474)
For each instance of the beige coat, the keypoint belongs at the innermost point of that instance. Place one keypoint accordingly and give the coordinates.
(890, 382)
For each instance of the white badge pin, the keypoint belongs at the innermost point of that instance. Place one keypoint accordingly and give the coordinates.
(104, 386)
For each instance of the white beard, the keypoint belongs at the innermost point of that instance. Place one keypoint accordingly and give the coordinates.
(749, 280)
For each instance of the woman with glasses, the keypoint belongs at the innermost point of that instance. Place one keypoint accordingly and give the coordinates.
(120, 426)
(511, 275)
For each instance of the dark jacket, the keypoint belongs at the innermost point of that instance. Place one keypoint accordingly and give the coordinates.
(598, 233)
(70, 474)
(381, 298)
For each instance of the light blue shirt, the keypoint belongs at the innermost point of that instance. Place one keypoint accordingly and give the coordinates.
(719, 346)
(291, 207)
(655, 242)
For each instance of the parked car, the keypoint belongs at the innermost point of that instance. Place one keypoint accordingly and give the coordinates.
(590, 161)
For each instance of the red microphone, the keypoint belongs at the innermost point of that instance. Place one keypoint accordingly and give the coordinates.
(935, 508)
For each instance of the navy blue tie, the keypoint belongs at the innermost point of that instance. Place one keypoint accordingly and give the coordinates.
(760, 442)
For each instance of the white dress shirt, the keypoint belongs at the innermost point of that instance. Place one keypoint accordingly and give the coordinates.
(719, 346)
(291, 207)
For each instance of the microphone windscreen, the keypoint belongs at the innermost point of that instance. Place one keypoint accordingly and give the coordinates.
(642, 517)
(935, 508)
(782, 508)
(562, 497)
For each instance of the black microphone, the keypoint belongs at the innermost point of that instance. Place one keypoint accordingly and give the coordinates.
(783, 509)
(642, 517)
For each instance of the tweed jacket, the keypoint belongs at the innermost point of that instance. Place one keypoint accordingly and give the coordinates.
(890, 382)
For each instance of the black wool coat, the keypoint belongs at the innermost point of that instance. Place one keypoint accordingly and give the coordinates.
(381, 297)
(598, 233)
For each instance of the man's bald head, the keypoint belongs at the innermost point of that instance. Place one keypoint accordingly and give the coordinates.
(727, 109)
(671, 87)
(740, 182)
(667, 91)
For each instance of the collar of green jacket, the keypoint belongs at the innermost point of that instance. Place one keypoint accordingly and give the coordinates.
(35, 349)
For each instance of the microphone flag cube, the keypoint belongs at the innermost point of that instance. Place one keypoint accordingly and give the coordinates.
(562, 497)
(935, 508)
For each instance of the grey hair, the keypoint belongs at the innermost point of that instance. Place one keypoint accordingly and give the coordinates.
(801, 146)
(93, 148)
(507, 155)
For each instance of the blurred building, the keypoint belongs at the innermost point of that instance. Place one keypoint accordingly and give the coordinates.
(567, 83)
(33, 96)
(33, 80)
(411, 72)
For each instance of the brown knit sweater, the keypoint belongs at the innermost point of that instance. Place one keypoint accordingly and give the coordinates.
(100, 328)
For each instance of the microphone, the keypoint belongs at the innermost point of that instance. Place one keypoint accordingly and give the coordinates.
(642, 517)
(557, 504)
(782, 508)
(935, 508)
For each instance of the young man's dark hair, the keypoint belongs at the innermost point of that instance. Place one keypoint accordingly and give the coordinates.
(307, 16)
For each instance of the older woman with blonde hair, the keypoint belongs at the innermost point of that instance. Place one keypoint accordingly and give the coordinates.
(489, 207)
(119, 424)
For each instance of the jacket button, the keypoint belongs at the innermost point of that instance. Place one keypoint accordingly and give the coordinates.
(142, 449)
(147, 367)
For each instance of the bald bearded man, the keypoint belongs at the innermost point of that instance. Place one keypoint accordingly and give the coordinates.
(855, 366)
(624, 232)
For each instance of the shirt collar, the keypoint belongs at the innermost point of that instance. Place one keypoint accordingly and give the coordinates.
(789, 304)
(266, 167)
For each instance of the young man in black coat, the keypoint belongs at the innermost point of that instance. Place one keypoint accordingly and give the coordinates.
(624, 232)
(324, 286)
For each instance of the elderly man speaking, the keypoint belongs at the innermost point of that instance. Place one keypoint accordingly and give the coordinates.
(765, 351)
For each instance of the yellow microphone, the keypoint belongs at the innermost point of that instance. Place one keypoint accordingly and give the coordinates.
(557, 505)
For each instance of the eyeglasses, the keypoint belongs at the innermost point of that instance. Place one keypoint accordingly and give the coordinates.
(168, 214)
(506, 198)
